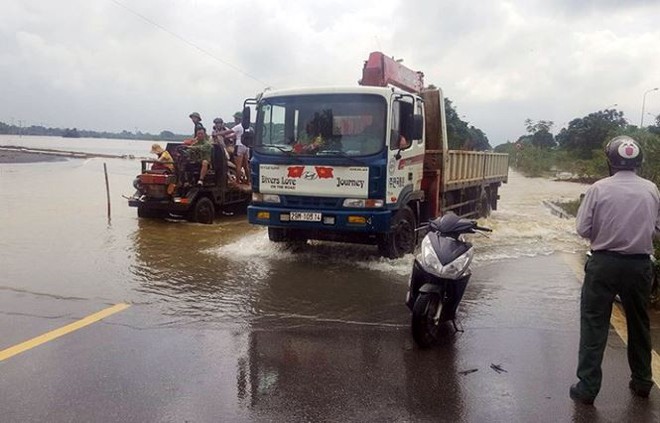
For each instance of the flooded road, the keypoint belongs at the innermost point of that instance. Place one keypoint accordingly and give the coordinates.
(56, 240)
(224, 325)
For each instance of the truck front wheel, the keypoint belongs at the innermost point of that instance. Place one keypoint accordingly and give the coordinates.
(400, 240)
(203, 211)
(294, 240)
(276, 234)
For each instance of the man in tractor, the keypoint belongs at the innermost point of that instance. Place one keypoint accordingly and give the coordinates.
(199, 152)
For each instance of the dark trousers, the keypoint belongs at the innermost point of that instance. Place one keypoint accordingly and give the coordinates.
(606, 275)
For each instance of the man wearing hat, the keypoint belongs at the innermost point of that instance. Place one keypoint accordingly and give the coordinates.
(165, 161)
(241, 152)
(197, 120)
(218, 129)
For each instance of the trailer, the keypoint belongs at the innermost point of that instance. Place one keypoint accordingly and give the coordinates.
(175, 194)
(366, 164)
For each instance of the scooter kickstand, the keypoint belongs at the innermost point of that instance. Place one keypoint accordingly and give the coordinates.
(456, 326)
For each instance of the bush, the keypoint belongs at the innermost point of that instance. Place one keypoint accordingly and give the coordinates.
(533, 161)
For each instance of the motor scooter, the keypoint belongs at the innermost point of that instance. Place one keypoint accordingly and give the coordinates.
(440, 274)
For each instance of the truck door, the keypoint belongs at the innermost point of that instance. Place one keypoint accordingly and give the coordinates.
(406, 155)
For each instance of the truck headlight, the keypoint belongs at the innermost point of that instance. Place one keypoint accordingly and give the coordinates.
(361, 203)
(265, 198)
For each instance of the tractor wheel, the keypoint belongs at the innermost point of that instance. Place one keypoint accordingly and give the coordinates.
(203, 211)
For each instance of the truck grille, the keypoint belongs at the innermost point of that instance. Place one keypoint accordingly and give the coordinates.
(312, 202)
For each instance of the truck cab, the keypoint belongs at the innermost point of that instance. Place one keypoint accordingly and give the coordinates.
(337, 163)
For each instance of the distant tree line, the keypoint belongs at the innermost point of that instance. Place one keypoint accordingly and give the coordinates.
(82, 133)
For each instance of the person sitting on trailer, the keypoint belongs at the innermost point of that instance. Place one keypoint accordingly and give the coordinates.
(241, 155)
(200, 152)
(197, 121)
(165, 162)
(218, 129)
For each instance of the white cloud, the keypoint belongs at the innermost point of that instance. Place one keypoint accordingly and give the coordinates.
(98, 65)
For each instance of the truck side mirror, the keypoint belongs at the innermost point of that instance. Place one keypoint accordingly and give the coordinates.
(418, 127)
(245, 120)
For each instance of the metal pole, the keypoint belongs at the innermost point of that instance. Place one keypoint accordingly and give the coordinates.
(641, 122)
(107, 189)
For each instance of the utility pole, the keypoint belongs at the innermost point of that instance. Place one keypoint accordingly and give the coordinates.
(641, 123)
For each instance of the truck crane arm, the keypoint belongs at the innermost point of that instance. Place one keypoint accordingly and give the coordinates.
(381, 71)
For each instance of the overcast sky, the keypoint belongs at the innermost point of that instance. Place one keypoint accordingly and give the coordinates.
(146, 64)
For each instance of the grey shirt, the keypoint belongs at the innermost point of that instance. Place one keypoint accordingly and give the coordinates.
(620, 214)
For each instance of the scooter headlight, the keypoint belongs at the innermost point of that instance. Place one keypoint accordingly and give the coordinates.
(454, 270)
(428, 259)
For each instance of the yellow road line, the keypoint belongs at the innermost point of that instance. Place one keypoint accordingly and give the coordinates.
(49, 336)
(618, 319)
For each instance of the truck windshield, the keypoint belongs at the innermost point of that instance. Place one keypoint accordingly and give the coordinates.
(326, 124)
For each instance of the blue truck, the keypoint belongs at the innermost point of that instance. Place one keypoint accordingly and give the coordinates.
(364, 164)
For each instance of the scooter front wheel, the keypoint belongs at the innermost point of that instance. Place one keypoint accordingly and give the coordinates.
(426, 319)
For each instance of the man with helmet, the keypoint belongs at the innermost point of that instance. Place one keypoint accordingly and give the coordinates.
(619, 215)
(197, 121)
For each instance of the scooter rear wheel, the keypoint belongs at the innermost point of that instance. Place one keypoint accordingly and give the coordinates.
(425, 325)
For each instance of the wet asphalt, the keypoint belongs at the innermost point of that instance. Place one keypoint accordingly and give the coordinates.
(513, 361)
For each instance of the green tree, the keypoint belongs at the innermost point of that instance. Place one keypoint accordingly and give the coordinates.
(588, 133)
(462, 136)
(477, 139)
(540, 131)
(167, 135)
(542, 125)
(655, 129)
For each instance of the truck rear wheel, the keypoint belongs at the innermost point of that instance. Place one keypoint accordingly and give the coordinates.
(483, 206)
(400, 240)
(203, 211)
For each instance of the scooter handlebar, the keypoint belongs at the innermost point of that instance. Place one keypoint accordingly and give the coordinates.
(481, 228)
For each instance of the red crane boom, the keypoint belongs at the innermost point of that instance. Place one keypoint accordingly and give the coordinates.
(381, 71)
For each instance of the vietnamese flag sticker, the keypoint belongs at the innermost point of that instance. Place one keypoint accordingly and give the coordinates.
(295, 171)
(324, 172)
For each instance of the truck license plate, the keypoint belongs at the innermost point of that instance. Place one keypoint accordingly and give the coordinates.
(305, 217)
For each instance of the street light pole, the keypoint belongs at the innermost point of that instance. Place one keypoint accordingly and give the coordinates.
(641, 123)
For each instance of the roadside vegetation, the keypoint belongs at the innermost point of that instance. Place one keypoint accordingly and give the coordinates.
(576, 152)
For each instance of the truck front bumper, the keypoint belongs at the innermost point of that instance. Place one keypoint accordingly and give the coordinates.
(364, 221)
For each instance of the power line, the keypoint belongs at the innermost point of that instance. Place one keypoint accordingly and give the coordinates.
(190, 43)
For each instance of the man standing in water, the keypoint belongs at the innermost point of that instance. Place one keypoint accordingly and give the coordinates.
(619, 215)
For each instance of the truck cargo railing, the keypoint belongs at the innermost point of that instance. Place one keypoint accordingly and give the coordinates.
(465, 168)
